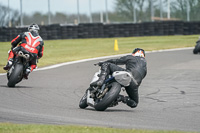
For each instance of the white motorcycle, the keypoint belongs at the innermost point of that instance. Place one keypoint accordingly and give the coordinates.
(106, 95)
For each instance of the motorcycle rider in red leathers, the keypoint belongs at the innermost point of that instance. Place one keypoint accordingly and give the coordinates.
(30, 41)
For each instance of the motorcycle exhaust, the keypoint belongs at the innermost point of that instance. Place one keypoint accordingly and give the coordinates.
(26, 56)
(20, 53)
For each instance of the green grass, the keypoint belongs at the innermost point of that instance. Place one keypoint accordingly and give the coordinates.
(58, 51)
(26, 128)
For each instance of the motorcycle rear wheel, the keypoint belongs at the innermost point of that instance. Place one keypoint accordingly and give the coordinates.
(16, 75)
(109, 97)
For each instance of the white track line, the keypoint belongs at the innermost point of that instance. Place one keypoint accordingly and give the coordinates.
(104, 57)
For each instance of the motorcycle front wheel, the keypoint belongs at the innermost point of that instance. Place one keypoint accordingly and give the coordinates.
(110, 96)
(83, 102)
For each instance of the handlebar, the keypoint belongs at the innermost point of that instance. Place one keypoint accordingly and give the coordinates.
(99, 63)
(96, 64)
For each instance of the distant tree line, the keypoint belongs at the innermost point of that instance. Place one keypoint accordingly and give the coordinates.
(124, 11)
(143, 11)
(8, 16)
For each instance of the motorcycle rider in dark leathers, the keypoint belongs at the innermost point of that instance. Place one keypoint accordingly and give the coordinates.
(136, 65)
(196, 49)
(30, 41)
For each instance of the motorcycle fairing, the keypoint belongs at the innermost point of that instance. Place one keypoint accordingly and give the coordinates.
(90, 101)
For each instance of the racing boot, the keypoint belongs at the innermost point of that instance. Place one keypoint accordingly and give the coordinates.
(127, 100)
(28, 70)
(131, 103)
(9, 64)
(102, 75)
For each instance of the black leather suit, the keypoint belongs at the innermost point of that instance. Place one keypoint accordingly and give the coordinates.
(134, 64)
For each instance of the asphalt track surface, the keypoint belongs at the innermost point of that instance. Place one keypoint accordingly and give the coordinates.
(169, 96)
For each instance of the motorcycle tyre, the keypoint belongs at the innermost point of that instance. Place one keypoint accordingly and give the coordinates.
(109, 97)
(83, 102)
(16, 75)
(196, 49)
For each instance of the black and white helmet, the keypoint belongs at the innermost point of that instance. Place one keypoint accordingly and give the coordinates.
(138, 52)
(34, 27)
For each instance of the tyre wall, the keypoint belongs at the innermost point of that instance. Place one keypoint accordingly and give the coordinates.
(99, 30)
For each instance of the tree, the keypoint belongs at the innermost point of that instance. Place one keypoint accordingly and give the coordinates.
(4, 16)
(125, 8)
(194, 10)
(140, 4)
(59, 18)
(179, 9)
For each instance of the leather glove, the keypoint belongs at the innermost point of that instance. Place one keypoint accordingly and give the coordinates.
(99, 63)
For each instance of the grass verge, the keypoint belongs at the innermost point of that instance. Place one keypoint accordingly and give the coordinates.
(27, 128)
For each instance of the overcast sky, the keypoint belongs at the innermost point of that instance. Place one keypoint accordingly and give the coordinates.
(64, 6)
